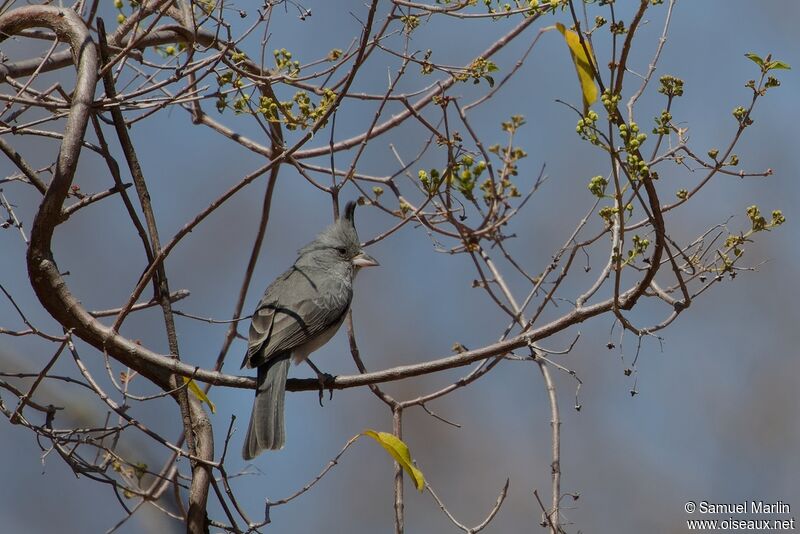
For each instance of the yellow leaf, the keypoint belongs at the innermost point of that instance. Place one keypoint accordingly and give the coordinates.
(400, 453)
(583, 65)
(194, 388)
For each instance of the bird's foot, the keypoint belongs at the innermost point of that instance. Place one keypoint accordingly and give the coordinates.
(324, 379)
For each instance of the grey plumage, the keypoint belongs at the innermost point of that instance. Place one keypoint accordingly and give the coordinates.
(267, 430)
(299, 312)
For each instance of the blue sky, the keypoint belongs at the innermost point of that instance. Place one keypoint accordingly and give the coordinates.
(715, 418)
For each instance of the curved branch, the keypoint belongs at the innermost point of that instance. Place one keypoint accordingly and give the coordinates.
(46, 279)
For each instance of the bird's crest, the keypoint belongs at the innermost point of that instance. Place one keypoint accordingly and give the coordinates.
(349, 212)
(342, 233)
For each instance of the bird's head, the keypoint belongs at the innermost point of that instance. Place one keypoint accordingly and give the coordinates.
(338, 244)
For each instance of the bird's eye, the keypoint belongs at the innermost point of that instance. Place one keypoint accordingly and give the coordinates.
(341, 250)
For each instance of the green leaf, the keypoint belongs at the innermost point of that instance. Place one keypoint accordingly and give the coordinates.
(755, 58)
(194, 388)
(583, 65)
(777, 65)
(399, 451)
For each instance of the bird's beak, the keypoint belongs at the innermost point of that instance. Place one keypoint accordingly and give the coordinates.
(364, 260)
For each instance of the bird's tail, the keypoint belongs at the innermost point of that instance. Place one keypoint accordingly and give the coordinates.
(265, 431)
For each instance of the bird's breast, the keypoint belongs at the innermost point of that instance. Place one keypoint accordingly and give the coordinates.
(301, 352)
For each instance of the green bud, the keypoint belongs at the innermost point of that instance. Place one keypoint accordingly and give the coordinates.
(597, 186)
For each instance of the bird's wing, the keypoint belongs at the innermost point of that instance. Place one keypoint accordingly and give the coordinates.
(292, 311)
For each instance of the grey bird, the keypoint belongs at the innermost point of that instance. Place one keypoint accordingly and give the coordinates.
(299, 312)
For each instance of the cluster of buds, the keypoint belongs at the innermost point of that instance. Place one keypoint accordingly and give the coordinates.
(633, 139)
(477, 70)
(742, 116)
(663, 123)
(284, 62)
(586, 127)
(671, 86)
(610, 100)
(597, 186)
